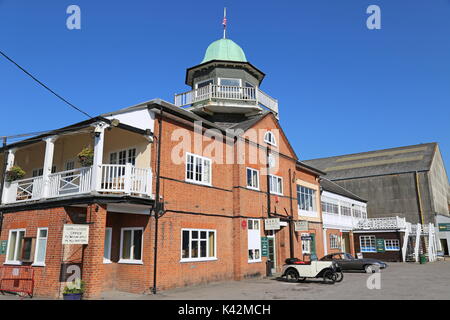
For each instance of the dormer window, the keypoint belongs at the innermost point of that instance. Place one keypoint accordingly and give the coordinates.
(269, 138)
(230, 82)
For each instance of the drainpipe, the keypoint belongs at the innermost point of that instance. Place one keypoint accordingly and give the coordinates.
(158, 205)
(291, 218)
(2, 183)
(268, 181)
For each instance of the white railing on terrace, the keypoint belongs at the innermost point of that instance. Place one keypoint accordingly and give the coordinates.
(70, 182)
(382, 223)
(126, 179)
(25, 190)
(339, 220)
(244, 94)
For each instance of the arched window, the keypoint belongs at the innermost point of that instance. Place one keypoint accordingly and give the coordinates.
(270, 138)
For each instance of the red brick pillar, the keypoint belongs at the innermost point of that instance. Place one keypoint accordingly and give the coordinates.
(352, 244)
(93, 252)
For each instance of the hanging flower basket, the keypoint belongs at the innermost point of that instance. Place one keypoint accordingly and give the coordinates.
(86, 157)
(15, 173)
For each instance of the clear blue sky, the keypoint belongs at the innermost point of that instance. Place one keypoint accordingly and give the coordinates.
(342, 88)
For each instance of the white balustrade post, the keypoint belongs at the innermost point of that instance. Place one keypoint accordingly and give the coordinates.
(325, 241)
(128, 176)
(149, 182)
(48, 164)
(99, 141)
(416, 249)
(10, 157)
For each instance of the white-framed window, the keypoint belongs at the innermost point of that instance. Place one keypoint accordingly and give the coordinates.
(392, 245)
(41, 247)
(198, 245)
(204, 83)
(271, 161)
(330, 207)
(123, 157)
(276, 185)
(346, 209)
(254, 240)
(252, 179)
(368, 243)
(107, 247)
(357, 211)
(198, 169)
(15, 243)
(229, 82)
(40, 172)
(269, 138)
(131, 245)
(306, 244)
(306, 198)
(335, 241)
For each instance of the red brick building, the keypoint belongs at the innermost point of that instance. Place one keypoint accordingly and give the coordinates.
(212, 176)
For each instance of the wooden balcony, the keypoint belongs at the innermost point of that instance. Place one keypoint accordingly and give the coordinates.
(244, 95)
(110, 179)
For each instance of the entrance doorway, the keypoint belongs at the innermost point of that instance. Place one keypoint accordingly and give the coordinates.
(444, 245)
(272, 254)
(346, 242)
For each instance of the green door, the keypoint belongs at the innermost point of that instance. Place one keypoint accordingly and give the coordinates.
(313, 244)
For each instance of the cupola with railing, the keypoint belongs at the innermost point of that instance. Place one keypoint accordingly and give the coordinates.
(225, 82)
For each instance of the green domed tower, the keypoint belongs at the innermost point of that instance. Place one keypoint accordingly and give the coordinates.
(226, 84)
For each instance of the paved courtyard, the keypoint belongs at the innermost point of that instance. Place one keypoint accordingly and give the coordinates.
(399, 281)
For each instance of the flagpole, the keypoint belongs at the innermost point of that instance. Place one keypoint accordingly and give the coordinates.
(224, 23)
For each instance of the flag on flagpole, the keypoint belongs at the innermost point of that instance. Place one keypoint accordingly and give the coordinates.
(224, 23)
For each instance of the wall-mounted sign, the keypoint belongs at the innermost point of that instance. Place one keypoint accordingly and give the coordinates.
(264, 247)
(3, 246)
(301, 225)
(272, 224)
(444, 227)
(75, 234)
(380, 245)
(306, 238)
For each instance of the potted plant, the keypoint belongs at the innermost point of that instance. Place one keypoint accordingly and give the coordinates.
(86, 157)
(74, 290)
(15, 173)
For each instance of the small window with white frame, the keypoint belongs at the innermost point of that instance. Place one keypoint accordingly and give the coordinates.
(14, 249)
(335, 242)
(392, 245)
(229, 82)
(254, 240)
(306, 244)
(198, 169)
(269, 138)
(368, 243)
(252, 179)
(131, 245)
(204, 83)
(123, 157)
(107, 246)
(41, 247)
(198, 245)
(276, 185)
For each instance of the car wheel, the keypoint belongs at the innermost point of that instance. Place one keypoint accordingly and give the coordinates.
(291, 275)
(338, 276)
(369, 268)
(328, 277)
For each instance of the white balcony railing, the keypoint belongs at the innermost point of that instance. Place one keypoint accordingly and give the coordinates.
(212, 92)
(382, 223)
(116, 179)
(339, 221)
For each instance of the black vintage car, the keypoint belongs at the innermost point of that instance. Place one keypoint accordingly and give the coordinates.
(348, 263)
